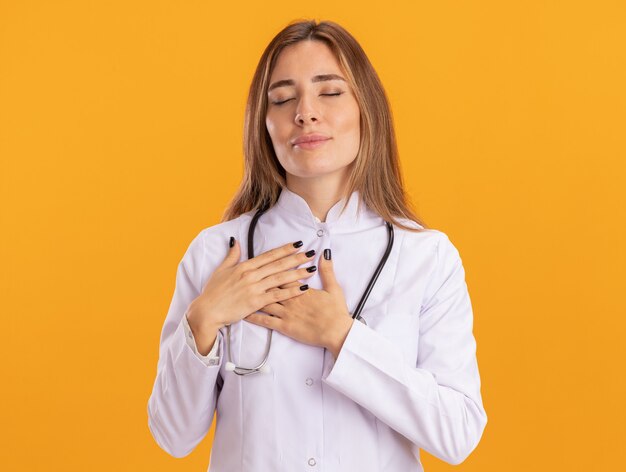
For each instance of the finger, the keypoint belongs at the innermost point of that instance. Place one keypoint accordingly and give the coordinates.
(327, 272)
(295, 283)
(275, 309)
(233, 254)
(280, 303)
(286, 277)
(281, 294)
(267, 321)
(284, 265)
(271, 256)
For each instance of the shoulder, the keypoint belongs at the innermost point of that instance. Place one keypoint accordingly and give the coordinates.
(430, 244)
(209, 248)
(429, 237)
(431, 253)
(212, 241)
(224, 230)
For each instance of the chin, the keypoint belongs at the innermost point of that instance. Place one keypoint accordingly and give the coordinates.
(313, 165)
(314, 172)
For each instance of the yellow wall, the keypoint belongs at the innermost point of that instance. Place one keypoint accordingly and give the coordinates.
(120, 139)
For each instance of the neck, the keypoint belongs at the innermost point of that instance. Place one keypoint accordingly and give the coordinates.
(319, 193)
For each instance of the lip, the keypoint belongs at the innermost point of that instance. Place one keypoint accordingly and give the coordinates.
(310, 138)
(311, 144)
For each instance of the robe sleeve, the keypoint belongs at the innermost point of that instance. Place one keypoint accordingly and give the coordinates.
(183, 399)
(434, 401)
(212, 357)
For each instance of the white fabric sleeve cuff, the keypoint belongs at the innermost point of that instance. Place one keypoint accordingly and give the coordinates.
(212, 358)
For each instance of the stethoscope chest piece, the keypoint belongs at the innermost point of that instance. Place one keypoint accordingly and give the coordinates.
(260, 368)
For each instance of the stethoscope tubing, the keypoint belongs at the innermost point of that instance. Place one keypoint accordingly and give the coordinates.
(356, 315)
(357, 312)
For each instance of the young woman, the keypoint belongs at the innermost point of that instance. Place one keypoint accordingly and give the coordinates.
(326, 325)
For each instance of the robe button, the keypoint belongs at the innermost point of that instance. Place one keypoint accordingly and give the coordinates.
(320, 233)
(312, 462)
(309, 381)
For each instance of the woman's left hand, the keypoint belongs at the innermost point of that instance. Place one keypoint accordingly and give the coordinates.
(317, 317)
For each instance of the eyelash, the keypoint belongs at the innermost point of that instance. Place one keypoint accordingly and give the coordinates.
(325, 94)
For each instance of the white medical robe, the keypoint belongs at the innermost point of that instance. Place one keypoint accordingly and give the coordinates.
(408, 379)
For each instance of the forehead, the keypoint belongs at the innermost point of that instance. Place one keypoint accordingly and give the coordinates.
(305, 59)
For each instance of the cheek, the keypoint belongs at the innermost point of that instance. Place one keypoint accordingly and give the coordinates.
(350, 118)
(278, 140)
(351, 123)
(270, 124)
(277, 130)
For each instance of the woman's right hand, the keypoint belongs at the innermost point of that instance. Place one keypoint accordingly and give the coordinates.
(237, 289)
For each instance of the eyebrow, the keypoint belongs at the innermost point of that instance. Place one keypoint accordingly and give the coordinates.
(317, 78)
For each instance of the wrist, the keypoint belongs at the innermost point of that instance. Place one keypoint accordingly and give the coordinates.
(339, 335)
(204, 337)
(201, 325)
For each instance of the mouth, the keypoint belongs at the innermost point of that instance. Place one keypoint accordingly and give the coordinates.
(309, 137)
(311, 144)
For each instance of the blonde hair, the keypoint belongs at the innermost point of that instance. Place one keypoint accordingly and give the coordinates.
(376, 170)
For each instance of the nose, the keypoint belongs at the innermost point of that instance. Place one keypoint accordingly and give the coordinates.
(302, 119)
(305, 114)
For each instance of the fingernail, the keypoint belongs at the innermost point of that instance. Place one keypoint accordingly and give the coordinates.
(311, 269)
(310, 253)
(327, 255)
(304, 287)
(298, 244)
(231, 243)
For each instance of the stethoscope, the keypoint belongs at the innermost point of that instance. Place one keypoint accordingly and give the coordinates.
(231, 366)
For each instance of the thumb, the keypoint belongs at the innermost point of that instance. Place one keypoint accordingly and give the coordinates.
(233, 255)
(327, 272)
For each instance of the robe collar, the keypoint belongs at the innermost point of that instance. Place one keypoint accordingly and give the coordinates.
(352, 218)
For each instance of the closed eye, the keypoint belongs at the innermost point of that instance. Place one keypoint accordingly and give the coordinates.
(280, 103)
(323, 94)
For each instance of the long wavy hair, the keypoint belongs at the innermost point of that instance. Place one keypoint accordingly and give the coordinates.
(376, 170)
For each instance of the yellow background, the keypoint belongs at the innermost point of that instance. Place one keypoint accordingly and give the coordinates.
(120, 139)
